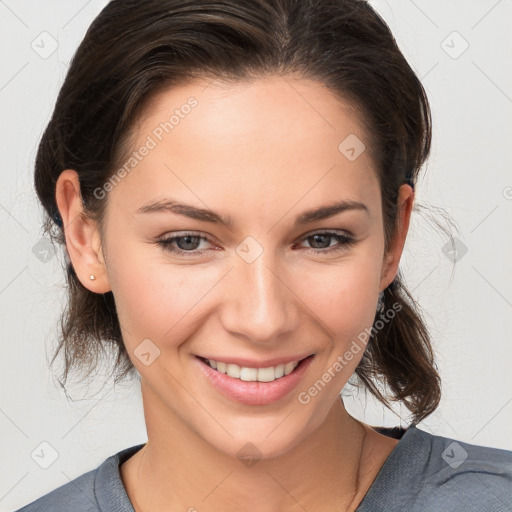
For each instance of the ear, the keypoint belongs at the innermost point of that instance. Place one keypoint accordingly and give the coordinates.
(396, 244)
(83, 240)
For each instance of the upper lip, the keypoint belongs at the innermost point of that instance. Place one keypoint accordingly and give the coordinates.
(253, 363)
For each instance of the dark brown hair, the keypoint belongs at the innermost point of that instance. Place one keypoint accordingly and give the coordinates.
(135, 49)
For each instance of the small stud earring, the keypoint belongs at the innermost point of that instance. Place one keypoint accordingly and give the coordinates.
(92, 277)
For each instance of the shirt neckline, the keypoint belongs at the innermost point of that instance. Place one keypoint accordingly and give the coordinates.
(112, 496)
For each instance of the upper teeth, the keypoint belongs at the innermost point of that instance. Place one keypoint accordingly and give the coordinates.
(254, 374)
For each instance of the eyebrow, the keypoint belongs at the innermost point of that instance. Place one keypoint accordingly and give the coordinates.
(202, 214)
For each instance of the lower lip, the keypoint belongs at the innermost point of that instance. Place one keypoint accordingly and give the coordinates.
(255, 393)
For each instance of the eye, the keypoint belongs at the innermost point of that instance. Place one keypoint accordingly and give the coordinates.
(186, 243)
(323, 239)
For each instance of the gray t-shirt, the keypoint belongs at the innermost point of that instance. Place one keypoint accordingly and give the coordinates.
(423, 473)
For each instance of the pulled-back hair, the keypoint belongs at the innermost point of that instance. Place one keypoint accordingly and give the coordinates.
(135, 49)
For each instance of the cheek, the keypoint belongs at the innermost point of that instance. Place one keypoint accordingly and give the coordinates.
(157, 300)
(344, 297)
(343, 294)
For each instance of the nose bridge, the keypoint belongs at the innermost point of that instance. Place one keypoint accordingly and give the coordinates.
(262, 307)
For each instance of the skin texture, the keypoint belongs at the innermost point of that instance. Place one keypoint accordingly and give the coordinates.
(260, 152)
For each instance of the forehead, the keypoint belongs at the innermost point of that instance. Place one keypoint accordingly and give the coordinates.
(258, 142)
(255, 104)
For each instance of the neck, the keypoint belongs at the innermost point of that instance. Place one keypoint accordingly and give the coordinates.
(178, 470)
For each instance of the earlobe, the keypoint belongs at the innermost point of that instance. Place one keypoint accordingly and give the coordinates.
(397, 243)
(81, 233)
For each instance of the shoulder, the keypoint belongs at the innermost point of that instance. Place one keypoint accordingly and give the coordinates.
(97, 490)
(75, 495)
(461, 476)
(429, 473)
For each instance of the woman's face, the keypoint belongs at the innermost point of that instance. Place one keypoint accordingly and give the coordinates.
(260, 287)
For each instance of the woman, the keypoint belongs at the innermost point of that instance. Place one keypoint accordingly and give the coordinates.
(233, 183)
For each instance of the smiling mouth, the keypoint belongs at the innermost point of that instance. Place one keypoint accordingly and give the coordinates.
(249, 374)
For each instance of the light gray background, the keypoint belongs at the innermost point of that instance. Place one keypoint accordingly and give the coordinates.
(469, 175)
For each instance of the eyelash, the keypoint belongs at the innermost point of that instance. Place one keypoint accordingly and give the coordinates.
(345, 242)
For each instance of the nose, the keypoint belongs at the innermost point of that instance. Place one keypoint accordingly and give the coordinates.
(261, 305)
